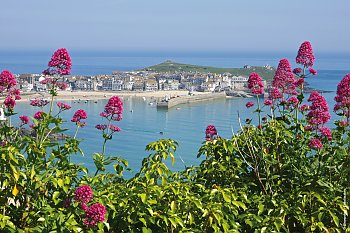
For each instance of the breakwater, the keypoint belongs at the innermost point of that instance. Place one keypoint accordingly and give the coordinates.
(189, 99)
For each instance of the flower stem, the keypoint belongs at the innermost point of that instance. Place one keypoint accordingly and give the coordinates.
(76, 132)
(259, 109)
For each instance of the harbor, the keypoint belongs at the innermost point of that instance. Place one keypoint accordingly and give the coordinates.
(172, 102)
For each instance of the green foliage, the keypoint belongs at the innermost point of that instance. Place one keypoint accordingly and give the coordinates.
(263, 179)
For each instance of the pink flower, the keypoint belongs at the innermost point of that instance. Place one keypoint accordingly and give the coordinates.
(80, 114)
(299, 82)
(267, 102)
(39, 115)
(275, 94)
(249, 104)
(103, 114)
(84, 206)
(114, 106)
(60, 63)
(83, 194)
(284, 78)
(312, 71)
(114, 128)
(255, 84)
(297, 70)
(343, 95)
(343, 123)
(62, 85)
(94, 215)
(101, 126)
(326, 132)
(15, 92)
(210, 132)
(9, 102)
(45, 81)
(318, 114)
(315, 143)
(117, 118)
(63, 106)
(24, 119)
(304, 107)
(39, 102)
(293, 100)
(7, 80)
(308, 128)
(305, 55)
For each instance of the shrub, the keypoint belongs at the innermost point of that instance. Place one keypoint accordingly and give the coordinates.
(288, 173)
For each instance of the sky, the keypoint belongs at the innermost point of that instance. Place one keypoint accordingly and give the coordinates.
(181, 25)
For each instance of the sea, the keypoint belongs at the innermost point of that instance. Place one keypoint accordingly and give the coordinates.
(143, 123)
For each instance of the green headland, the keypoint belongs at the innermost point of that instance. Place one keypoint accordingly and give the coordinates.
(266, 72)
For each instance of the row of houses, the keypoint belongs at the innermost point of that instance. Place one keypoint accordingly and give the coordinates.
(141, 81)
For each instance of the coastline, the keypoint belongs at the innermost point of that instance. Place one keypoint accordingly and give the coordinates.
(101, 95)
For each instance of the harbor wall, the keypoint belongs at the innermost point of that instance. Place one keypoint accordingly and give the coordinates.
(190, 99)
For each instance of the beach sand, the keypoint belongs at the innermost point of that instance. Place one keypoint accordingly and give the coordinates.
(99, 95)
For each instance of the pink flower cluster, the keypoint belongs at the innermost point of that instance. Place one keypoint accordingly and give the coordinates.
(275, 94)
(63, 106)
(60, 63)
(318, 114)
(8, 84)
(326, 132)
(39, 115)
(268, 102)
(78, 116)
(255, 84)
(210, 132)
(103, 127)
(83, 194)
(114, 106)
(95, 213)
(53, 82)
(24, 120)
(342, 106)
(7, 80)
(305, 55)
(284, 78)
(293, 101)
(39, 102)
(112, 112)
(315, 143)
(249, 104)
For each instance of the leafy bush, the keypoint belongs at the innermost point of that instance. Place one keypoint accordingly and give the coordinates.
(289, 173)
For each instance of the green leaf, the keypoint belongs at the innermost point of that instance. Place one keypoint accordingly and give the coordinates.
(55, 196)
(261, 208)
(334, 217)
(172, 206)
(226, 196)
(143, 221)
(60, 182)
(143, 197)
(146, 230)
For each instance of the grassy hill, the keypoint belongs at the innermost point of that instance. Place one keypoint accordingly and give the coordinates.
(170, 66)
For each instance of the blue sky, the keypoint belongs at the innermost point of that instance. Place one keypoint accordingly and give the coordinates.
(181, 25)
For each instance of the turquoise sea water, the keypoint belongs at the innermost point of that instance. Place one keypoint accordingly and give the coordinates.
(186, 125)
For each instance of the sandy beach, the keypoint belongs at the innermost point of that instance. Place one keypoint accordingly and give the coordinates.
(99, 95)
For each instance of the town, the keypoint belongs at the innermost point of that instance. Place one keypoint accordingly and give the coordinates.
(145, 80)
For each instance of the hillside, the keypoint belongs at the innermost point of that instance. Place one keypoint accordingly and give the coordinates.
(170, 66)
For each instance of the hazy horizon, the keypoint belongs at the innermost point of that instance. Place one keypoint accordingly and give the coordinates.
(157, 25)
